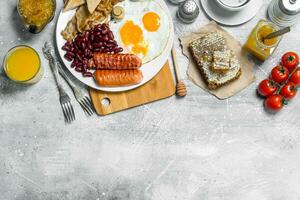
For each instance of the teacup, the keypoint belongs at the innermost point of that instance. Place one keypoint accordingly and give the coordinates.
(233, 5)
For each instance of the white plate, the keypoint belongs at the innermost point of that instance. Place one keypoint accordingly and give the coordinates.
(229, 18)
(149, 69)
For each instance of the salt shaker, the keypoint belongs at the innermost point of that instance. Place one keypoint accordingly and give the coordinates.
(188, 11)
(284, 12)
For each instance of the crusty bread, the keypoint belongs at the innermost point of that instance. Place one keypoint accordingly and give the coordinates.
(72, 4)
(92, 5)
(202, 50)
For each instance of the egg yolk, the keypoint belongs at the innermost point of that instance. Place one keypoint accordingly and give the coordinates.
(132, 36)
(151, 21)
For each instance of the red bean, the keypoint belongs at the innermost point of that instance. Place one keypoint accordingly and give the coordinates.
(110, 35)
(68, 58)
(92, 37)
(98, 26)
(109, 45)
(85, 61)
(78, 69)
(75, 45)
(69, 43)
(87, 53)
(119, 50)
(70, 54)
(98, 45)
(73, 64)
(98, 39)
(78, 41)
(83, 45)
(66, 47)
(105, 38)
(87, 35)
(79, 57)
(99, 33)
(104, 26)
(87, 74)
(78, 65)
(110, 41)
(89, 45)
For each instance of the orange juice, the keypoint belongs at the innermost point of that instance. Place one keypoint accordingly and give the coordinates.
(22, 64)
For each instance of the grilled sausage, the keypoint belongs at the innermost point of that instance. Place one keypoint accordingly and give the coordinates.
(115, 61)
(116, 78)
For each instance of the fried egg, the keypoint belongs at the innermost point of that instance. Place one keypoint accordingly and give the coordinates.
(144, 31)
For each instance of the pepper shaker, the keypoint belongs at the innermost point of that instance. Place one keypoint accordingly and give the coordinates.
(188, 11)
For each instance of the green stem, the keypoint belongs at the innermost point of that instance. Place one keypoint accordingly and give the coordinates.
(280, 86)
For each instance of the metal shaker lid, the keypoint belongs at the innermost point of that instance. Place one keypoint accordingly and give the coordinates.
(290, 7)
(188, 11)
(189, 7)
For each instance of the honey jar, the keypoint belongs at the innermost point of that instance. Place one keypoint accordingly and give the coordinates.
(36, 14)
(258, 46)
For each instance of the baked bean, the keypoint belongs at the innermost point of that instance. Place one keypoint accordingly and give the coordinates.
(70, 54)
(78, 69)
(87, 74)
(81, 49)
(110, 35)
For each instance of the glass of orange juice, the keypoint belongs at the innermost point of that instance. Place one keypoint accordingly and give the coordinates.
(22, 64)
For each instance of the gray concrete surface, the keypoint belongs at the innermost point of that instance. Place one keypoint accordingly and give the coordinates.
(196, 148)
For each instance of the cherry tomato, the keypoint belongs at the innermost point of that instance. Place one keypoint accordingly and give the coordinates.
(295, 78)
(280, 74)
(274, 102)
(290, 60)
(288, 91)
(267, 87)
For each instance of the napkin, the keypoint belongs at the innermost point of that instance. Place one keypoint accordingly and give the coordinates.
(194, 74)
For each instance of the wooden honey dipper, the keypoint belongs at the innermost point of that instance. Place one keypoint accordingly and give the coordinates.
(180, 86)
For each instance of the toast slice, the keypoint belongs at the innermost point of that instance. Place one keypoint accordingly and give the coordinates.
(202, 50)
(72, 4)
(92, 5)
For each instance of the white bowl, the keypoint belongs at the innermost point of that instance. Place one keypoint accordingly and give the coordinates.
(233, 5)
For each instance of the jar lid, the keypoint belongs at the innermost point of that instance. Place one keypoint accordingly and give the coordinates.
(290, 7)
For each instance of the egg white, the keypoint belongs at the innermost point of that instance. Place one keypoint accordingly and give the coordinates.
(134, 11)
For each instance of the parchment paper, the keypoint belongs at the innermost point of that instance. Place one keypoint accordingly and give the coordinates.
(194, 74)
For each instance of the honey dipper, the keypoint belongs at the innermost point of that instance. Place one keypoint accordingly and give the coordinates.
(180, 86)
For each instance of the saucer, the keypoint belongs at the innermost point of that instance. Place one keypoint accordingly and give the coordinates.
(226, 17)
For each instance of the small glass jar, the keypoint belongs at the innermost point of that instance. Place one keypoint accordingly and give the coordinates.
(22, 64)
(35, 15)
(259, 47)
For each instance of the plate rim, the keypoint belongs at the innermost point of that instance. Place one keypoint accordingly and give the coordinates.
(161, 59)
(204, 4)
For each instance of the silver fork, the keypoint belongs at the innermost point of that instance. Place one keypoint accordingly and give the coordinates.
(82, 99)
(65, 100)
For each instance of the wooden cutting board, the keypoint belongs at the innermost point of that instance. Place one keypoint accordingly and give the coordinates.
(160, 87)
